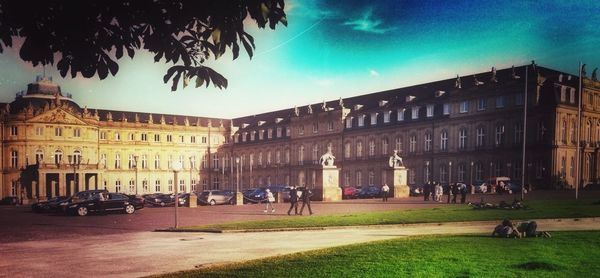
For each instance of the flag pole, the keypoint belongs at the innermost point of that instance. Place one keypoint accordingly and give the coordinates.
(524, 136)
(578, 155)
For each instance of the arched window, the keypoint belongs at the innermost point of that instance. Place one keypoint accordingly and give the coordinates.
(58, 156)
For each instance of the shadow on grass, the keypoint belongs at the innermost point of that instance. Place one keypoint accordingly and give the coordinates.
(538, 266)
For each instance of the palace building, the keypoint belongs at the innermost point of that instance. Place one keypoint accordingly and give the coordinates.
(465, 129)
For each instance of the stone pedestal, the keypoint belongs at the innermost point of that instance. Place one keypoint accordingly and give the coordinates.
(327, 188)
(399, 182)
(239, 198)
(193, 200)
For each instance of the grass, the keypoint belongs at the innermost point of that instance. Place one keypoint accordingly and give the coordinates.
(566, 254)
(538, 209)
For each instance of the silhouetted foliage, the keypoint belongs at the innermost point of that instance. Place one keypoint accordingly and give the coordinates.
(88, 37)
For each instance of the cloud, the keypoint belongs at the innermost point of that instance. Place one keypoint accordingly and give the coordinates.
(368, 24)
(373, 72)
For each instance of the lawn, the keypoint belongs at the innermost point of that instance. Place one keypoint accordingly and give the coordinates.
(566, 254)
(537, 209)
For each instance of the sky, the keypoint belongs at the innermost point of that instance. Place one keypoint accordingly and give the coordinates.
(339, 49)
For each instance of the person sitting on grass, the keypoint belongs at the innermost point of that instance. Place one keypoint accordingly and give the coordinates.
(529, 229)
(506, 230)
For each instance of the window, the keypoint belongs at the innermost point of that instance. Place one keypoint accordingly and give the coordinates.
(117, 186)
(315, 154)
(156, 161)
(541, 130)
(156, 137)
(279, 132)
(287, 156)
(500, 102)
(563, 94)
(446, 109)
(144, 137)
(398, 144)
(182, 185)
(76, 157)
(358, 178)
(39, 156)
(192, 139)
(478, 171)
(102, 135)
(481, 104)
(429, 110)
(117, 161)
(181, 139)
(253, 135)
(427, 142)
(58, 157)
(462, 139)
(117, 136)
(346, 178)
(480, 137)
(460, 175)
(58, 131)
(384, 146)
(131, 136)
(443, 173)
(499, 138)
(415, 113)
(205, 139)
(204, 161)
(347, 150)
(301, 130)
(131, 186)
(563, 131)
(464, 106)
(572, 96)
(572, 167)
(301, 155)
(39, 131)
(193, 162)
(13, 130)
(144, 161)
(157, 185)
(169, 138)
(518, 133)
(270, 133)
(371, 147)
(563, 167)
(412, 147)
(444, 140)
(349, 122)
(373, 119)
(278, 156)
(371, 177)
(215, 160)
(288, 131)
(386, 116)
(361, 120)
(519, 99)
(132, 161)
(14, 159)
(400, 114)
(315, 127)
(359, 149)
(269, 158)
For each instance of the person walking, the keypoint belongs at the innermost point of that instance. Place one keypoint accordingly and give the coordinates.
(439, 191)
(293, 200)
(454, 188)
(449, 193)
(463, 193)
(306, 194)
(270, 200)
(385, 190)
(426, 191)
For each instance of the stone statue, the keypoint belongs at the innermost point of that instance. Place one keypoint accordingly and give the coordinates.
(341, 103)
(309, 108)
(457, 83)
(594, 75)
(296, 111)
(324, 106)
(396, 160)
(494, 78)
(327, 159)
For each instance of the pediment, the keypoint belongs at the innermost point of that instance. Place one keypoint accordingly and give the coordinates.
(57, 116)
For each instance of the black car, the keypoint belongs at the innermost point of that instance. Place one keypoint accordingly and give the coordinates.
(114, 202)
(160, 199)
(51, 205)
(80, 197)
(9, 200)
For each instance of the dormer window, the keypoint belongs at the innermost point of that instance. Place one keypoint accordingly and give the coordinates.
(446, 108)
(244, 136)
(279, 132)
(400, 114)
(253, 135)
(500, 102)
(572, 95)
(349, 122)
(361, 120)
(429, 110)
(386, 116)
(315, 127)
(415, 112)
(270, 133)
(373, 119)
(261, 134)
(236, 139)
(410, 98)
(382, 103)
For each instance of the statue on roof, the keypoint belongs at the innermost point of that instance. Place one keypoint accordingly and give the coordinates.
(457, 83)
(324, 106)
(150, 119)
(583, 71)
(494, 78)
(137, 118)
(477, 82)
(309, 108)
(162, 119)
(296, 111)
(85, 111)
(123, 118)
(341, 103)
(594, 75)
(514, 74)
(109, 116)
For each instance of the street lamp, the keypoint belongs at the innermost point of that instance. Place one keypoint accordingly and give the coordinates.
(427, 171)
(176, 168)
(449, 172)
(239, 199)
(191, 167)
(508, 165)
(471, 178)
(74, 160)
(135, 161)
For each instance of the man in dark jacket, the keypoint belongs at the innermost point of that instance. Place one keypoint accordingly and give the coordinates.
(306, 194)
(293, 200)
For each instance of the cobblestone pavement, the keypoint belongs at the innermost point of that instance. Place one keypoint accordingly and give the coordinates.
(39, 245)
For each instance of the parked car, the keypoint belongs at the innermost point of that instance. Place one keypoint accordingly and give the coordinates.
(481, 187)
(216, 197)
(592, 186)
(50, 205)
(115, 202)
(160, 200)
(371, 191)
(80, 197)
(258, 195)
(350, 192)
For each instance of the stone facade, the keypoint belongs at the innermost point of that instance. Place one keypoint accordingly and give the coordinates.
(465, 129)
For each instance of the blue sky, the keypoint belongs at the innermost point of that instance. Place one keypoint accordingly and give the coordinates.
(334, 49)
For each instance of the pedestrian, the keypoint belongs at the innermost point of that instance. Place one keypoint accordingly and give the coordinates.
(463, 193)
(270, 200)
(385, 190)
(449, 193)
(439, 191)
(454, 188)
(426, 191)
(293, 200)
(306, 194)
